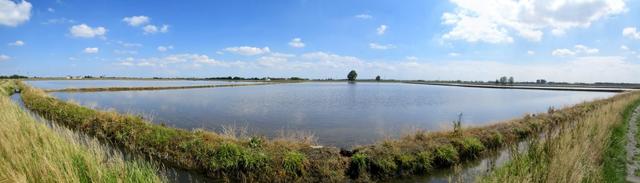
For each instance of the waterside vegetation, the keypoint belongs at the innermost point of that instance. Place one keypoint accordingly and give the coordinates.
(586, 149)
(31, 151)
(255, 158)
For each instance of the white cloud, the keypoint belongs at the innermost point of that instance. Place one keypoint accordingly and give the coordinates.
(296, 43)
(129, 45)
(247, 50)
(584, 49)
(125, 52)
(136, 20)
(364, 16)
(558, 32)
(577, 49)
(91, 50)
(164, 29)
(329, 65)
(377, 46)
(4, 57)
(563, 52)
(51, 10)
(381, 29)
(454, 54)
(190, 60)
(531, 52)
(84, 31)
(631, 32)
(165, 48)
(13, 14)
(411, 58)
(496, 21)
(17, 43)
(624, 47)
(59, 21)
(152, 29)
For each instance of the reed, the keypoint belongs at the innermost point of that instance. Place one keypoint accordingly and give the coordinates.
(589, 149)
(32, 152)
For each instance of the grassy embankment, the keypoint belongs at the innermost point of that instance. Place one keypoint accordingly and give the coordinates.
(32, 152)
(260, 159)
(590, 149)
(153, 87)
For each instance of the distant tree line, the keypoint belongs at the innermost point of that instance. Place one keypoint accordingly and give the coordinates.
(253, 78)
(15, 76)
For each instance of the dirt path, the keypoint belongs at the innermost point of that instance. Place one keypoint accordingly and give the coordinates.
(633, 165)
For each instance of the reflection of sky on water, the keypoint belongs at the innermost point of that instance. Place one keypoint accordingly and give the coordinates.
(61, 84)
(337, 113)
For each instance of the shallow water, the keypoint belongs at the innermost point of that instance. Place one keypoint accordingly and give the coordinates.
(61, 84)
(338, 113)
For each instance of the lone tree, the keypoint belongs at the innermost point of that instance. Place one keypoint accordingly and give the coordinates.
(352, 75)
(377, 78)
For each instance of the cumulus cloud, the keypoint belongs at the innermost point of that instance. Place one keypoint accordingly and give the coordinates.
(624, 47)
(381, 29)
(531, 52)
(331, 65)
(125, 52)
(152, 29)
(563, 52)
(247, 50)
(91, 50)
(496, 21)
(377, 46)
(584, 49)
(296, 43)
(165, 48)
(4, 57)
(364, 16)
(13, 14)
(192, 60)
(631, 32)
(85, 31)
(454, 54)
(17, 43)
(577, 49)
(136, 20)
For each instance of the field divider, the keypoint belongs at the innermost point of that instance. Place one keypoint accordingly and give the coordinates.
(107, 89)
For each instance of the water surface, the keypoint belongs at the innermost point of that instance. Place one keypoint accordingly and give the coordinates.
(339, 114)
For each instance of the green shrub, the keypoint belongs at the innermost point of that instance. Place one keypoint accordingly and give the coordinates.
(495, 140)
(446, 155)
(471, 147)
(424, 160)
(382, 166)
(358, 165)
(294, 163)
(406, 163)
(227, 156)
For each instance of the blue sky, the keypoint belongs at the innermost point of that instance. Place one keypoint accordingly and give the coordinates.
(582, 40)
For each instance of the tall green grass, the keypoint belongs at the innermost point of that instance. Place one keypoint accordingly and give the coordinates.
(590, 149)
(614, 165)
(32, 152)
